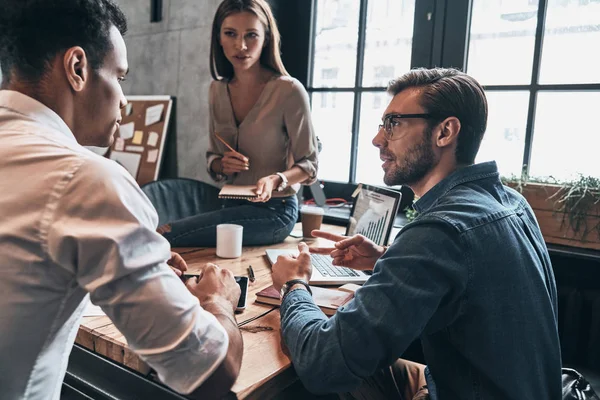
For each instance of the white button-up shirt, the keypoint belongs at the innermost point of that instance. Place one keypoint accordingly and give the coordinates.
(73, 223)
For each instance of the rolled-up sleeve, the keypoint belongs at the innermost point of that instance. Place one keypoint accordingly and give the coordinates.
(392, 309)
(301, 132)
(103, 230)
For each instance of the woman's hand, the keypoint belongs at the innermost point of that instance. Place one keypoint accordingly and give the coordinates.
(233, 162)
(265, 187)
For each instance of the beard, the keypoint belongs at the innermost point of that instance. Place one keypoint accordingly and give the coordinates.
(417, 163)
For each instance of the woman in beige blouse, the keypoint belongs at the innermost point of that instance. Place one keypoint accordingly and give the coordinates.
(262, 113)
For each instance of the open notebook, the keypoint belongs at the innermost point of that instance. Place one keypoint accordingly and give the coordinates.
(238, 192)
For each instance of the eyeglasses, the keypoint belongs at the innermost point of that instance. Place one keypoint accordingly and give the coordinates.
(391, 123)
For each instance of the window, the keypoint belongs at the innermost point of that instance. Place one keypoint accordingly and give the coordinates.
(329, 74)
(537, 60)
(358, 47)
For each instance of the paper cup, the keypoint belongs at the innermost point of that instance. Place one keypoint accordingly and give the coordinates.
(312, 218)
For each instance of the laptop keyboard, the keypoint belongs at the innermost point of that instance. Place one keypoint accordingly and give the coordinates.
(323, 264)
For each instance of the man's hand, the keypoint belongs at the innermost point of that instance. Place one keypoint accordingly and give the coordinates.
(290, 267)
(356, 252)
(215, 285)
(218, 294)
(265, 187)
(233, 162)
(177, 264)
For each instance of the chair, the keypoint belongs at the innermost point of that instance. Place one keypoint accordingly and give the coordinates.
(181, 197)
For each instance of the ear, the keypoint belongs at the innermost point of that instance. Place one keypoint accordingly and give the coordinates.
(448, 134)
(76, 67)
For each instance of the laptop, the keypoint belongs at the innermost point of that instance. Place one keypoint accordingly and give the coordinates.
(373, 212)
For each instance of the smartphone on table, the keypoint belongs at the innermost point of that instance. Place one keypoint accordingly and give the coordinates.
(242, 281)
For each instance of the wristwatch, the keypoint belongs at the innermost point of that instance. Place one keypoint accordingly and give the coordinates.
(288, 285)
(284, 182)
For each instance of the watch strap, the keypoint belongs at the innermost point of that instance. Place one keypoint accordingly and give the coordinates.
(284, 181)
(288, 285)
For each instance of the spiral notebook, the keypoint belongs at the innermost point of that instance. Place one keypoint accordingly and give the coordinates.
(238, 192)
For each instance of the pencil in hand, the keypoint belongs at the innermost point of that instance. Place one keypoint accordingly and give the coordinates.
(225, 143)
(243, 157)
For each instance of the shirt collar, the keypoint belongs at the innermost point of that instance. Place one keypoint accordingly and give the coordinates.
(34, 110)
(463, 175)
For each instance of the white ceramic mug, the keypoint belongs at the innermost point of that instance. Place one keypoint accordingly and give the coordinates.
(229, 240)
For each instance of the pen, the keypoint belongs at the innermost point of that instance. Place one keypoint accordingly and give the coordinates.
(251, 274)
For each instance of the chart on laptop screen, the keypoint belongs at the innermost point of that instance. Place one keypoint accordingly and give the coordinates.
(373, 215)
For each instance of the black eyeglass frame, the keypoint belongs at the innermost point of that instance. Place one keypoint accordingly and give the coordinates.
(387, 122)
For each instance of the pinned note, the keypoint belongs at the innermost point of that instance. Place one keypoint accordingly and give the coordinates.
(128, 109)
(138, 137)
(136, 149)
(152, 156)
(154, 114)
(129, 161)
(153, 139)
(126, 131)
(119, 144)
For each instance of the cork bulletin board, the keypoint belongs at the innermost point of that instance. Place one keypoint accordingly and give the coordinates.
(139, 144)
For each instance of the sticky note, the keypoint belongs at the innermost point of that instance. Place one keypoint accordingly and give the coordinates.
(152, 139)
(154, 114)
(136, 149)
(126, 131)
(119, 144)
(138, 137)
(152, 156)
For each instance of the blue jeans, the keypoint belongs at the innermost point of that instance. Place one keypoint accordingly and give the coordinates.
(264, 223)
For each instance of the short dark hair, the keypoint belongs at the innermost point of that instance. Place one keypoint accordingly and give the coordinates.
(448, 92)
(33, 32)
(220, 67)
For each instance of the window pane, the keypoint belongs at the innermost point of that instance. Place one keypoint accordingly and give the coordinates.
(572, 38)
(504, 139)
(332, 118)
(388, 42)
(566, 136)
(501, 41)
(368, 167)
(336, 35)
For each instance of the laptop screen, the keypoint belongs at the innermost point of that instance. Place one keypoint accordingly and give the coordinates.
(373, 213)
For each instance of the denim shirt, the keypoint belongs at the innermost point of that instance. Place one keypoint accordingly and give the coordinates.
(470, 276)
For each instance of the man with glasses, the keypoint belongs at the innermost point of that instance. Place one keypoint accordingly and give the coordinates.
(470, 276)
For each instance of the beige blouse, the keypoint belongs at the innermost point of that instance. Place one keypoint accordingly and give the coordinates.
(276, 135)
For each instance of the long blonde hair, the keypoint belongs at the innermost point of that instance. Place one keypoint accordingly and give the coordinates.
(220, 67)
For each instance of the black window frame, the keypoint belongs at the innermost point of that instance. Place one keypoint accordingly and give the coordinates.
(440, 39)
(534, 87)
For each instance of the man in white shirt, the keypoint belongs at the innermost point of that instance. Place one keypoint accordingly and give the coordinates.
(74, 223)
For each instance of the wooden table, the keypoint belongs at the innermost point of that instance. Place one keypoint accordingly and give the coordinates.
(265, 367)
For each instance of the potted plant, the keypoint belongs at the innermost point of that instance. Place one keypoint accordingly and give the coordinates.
(568, 212)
